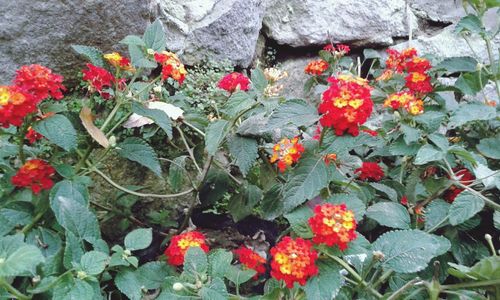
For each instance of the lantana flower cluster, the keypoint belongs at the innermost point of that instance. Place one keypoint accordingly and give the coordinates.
(417, 80)
(466, 178)
(172, 67)
(370, 171)
(287, 152)
(251, 260)
(35, 174)
(234, 81)
(180, 244)
(316, 67)
(118, 61)
(333, 225)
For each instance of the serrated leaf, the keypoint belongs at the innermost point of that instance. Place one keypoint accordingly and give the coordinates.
(464, 207)
(352, 202)
(138, 239)
(241, 205)
(219, 261)
(159, 116)
(471, 83)
(410, 134)
(457, 64)
(93, 54)
(306, 180)
(294, 112)
(128, 283)
(176, 172)
(390, 192)
(325, 285)
(58, 130)
(237, 103)
(216, 290)
(469, 23)
(244, 150)
(259, 81)
(138, 58)
(215, 134)
(195, 262)
(389, 214)
(152, 274)
(139, 151)
(133, 40)
(94, 262)
(490, 147)
(435, 213)
(18, 258)
(154, 36)
(427, 154)
(409, 251)
(271, 206)
(298, 220)
(73, 250)
(239, 276)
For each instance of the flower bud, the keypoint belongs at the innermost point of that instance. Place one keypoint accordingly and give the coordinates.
(2, 260)
(112, 141)
(81, 275)
(488, 237)
(378, 255)
(157, 89)
(150, 51)
(178, 286)
(127, 252)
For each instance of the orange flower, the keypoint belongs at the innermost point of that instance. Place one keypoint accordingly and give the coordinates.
(346, 104)
(370, 171)
(40, 82)
(316, 67)
(398, 100)
(330, 158)
(232, 82)
(293, 261)
(333, 225)
(419, 82)
(32, 136)
(171, 66)
(415, 107)
(418, 64)
(15, 105)
(118, 61)
(35, 174)
(251, 260)
(287, 152)
(180, 244)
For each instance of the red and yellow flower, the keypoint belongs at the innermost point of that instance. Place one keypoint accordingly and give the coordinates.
(180, 244)
(40, 82)
(98, 79)
(35, 174)
(466, 178)
(419, 82)
(346, 104)
(333, 225)
(293, 260)
(15, 105)
(233, 81)
(418, 64)
(251, 260)
(370, 171)
(116, 60)
(32, 136)
(406, 100)
(316, 67)
(287, 152)
(171, 66)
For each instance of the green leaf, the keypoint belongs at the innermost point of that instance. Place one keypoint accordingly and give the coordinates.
(158, 116)
(439, 140)
(73, 289)
(352, 202)
(128, 283)
(139, 151)
(295, 112)
(306, 180)
(177, 172)
(73, 251)
(471, 83)
(139, 239)
(133, 40)
(490, 147)
(390, 192)
(219, 261)
(93, 54)
(237, 103)
(325, 285)
(195, 262)
(464, 207)
(272, 206)
(469, 23)
(244, 150)
(94, 262)
(409, 251)
(241, 205)
(17, 257)
(58, 130)
(370, 54)
(215, 134)
(138, 58)
(389, 214)
(427, 154)
(435, 213)
(238, 276)
(154, 36)
(259, 81)
(152, 274)
(410, 134)
(298, 220)
(216, 290)
(72, 190)
(457, 64)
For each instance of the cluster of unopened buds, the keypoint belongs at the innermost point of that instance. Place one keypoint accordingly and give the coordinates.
(273, 75)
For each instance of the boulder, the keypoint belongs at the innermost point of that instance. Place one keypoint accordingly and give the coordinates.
(359, 22)
(42, 31)
(293, 85)
(213, 29)
(443, 11)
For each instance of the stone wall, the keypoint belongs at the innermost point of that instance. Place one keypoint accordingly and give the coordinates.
(42, 31)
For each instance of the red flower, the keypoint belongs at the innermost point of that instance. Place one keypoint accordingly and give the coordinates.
(419, 82)
(287, 152)
(404, 200)
(418, 64)
(466, 178)
(251, 260)
(171, 66)
(15, 105)
(329, 48)
(346, 104)
(118, 61)
(32, 136)
(316, 67)
(180, 244)
(370, 171)
(343, 49)
(333, 225)
(98, 79)
(40, 82)
(370, 132)
(397, 60)
(35, 174)
(234, 81)
(293, 261)
(406, 100)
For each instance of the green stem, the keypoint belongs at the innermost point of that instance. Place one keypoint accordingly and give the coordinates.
(33, 222)
(405, 287)
(12, 290)
(22, 133)
(189, 150)
(492, 63)
(111, 115)
(475, 284)
(383, 278)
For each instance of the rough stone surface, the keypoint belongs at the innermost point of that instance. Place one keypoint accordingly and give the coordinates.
(311, 22)
(294, 83)
(213, 29)
(444, 11)
(42, 31)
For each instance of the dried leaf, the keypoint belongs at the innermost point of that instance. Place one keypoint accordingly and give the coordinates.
(95, 133)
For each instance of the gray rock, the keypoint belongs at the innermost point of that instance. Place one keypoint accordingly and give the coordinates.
(294, 83)
(213, 29)
(312, 22)
(42, 31)
(444, 11)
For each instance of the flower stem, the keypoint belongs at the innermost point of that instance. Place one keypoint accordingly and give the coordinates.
(12, 290)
